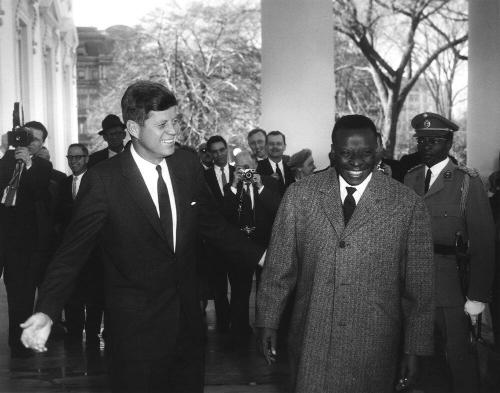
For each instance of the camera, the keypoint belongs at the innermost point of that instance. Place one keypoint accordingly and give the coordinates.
(21, 137)
(247, 175)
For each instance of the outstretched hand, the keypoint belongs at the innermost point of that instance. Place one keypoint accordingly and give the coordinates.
(36, 331)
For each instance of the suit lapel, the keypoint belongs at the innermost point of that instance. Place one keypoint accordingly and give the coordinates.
(367, 207)
(176, 171)
(438, 184)
(331, 203)
(139, 192)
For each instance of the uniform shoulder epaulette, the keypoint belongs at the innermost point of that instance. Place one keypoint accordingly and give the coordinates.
(415, 168)
(470, 171)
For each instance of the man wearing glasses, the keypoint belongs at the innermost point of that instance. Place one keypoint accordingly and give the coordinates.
(84, 309)
(462, 224)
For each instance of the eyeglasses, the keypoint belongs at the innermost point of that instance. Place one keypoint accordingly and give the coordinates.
(430, 140)
(77, 157)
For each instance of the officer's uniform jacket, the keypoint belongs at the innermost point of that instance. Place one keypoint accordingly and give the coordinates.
(449, 215)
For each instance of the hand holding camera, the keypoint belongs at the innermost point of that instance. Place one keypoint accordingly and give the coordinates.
(22, 153)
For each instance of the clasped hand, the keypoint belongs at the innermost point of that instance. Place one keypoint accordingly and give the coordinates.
(36, 331)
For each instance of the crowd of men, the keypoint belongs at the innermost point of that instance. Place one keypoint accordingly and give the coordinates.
(359, 264)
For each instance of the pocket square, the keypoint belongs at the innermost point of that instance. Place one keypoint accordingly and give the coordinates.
(193, 203)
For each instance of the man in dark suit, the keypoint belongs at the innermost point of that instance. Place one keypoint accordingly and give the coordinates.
(113, 132)
(458, 205)
(250, 204)
(24, 225)
(146, 205)
(220, 174)
(274, 165)
(85, 308)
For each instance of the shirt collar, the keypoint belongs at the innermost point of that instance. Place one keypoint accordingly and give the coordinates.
(80, 175)
(143, 164)
(437, 168)
(359, 188)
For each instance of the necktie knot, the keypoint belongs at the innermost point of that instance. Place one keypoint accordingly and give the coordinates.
(158, 169)
(350, 190)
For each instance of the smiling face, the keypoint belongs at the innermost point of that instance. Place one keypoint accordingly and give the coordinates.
(275, 147)
(257, 143)
(354, 154)
(155, 140)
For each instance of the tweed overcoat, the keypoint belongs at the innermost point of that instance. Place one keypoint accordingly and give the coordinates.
(358, 287)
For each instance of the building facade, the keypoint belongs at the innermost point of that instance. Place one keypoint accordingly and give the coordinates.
(38, 42)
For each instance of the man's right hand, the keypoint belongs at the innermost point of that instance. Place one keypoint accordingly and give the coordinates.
(266, 343)
(36, 331)
(238, 176)
(22, 153)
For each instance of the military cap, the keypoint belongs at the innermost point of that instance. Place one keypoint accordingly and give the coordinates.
(432, 124)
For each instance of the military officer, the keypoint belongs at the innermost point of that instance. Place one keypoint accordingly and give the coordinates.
(459, 206)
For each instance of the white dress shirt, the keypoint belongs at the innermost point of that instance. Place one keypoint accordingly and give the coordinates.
(150, 176)
(218, 173)
(280, 165)
(111, 153)
(77, 180)
(360, 189)
(436, 170)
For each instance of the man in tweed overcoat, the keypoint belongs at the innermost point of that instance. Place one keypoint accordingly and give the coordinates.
(364, 289)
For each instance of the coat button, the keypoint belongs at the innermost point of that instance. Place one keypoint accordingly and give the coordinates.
(342, 244)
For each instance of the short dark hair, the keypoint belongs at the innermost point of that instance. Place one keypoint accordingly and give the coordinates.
(81, 146)
(351, 122)
(143, 96)
(215, 139)
(274, 133)
(37, 126)
(256, 131)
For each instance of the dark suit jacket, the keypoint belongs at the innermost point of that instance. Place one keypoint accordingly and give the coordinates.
(26, 225)
(147, 284)
(264, 168)
(265, 206)
(213, 184)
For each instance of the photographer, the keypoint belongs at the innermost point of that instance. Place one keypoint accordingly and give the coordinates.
(250, 203)
(24, 192)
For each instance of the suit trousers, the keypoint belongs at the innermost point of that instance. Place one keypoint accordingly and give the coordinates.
(21, 272)
(452, 326)
(179, 372)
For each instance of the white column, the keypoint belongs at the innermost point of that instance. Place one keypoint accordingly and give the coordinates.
(483, 122)
(298, 81)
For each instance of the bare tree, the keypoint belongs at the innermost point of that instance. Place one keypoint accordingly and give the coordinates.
(385, 31)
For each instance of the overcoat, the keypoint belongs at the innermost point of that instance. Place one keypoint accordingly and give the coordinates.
(361, 289)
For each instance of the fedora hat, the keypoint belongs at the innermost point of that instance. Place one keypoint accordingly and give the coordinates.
(111, 121)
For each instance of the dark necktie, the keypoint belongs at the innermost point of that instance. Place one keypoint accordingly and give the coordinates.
(164, 207)
(73, 187)
(280, 175)
(349, 204)
(427, 180)
(223, 177)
